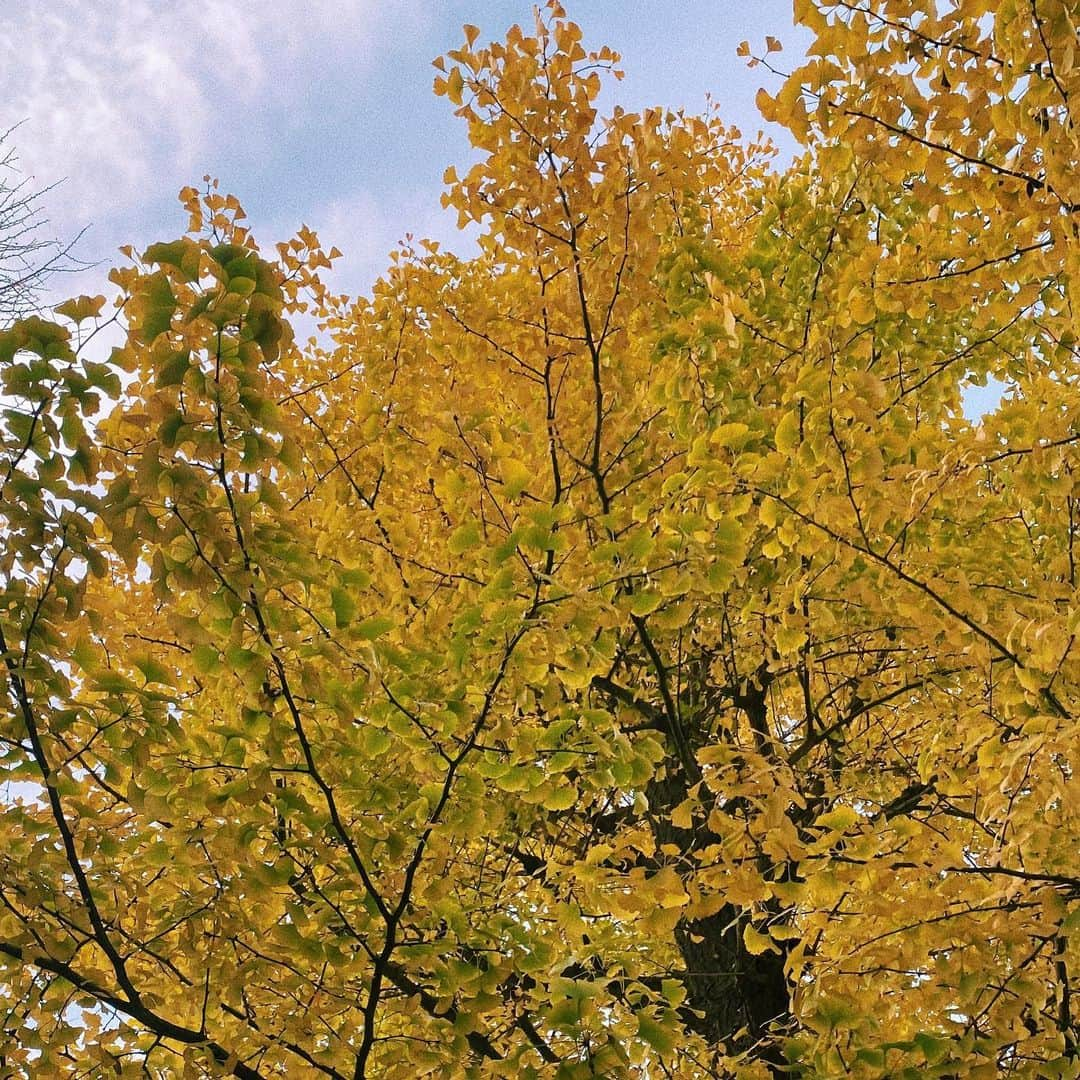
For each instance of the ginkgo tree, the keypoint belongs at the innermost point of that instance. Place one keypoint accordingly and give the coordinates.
(610, 654)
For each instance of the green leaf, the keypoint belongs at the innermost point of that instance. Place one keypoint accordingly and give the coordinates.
(207, 659)
(182, 254)
(157, 307)
(173, 370)
(170, 427)
(657, 1035)
(934, 1047)
(646, 602)
(464, 538)
(515, 477)
(112, 682)
(153, 671)
(344, 606)
(376, 626)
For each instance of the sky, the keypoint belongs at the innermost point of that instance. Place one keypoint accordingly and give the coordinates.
(325, 119)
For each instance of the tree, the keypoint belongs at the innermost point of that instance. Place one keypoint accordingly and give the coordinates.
(614, 654)
(27, 259)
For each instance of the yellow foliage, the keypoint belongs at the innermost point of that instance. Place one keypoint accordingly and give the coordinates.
(614, 653)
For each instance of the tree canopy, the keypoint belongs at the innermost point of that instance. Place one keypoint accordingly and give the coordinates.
(613, 653)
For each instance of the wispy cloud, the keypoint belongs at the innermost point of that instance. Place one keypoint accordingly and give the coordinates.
(115, 96)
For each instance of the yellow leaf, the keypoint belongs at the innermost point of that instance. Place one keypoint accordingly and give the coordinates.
(733, 434)
(455, 85)
(839, 819)
(787, 433)
(757, 943)
(562, 798)
(682, 816)
(668, 889)
(81, 308)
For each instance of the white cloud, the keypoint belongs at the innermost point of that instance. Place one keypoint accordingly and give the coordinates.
(118, 95)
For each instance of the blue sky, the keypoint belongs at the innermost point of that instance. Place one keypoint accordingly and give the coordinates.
(324, 118)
